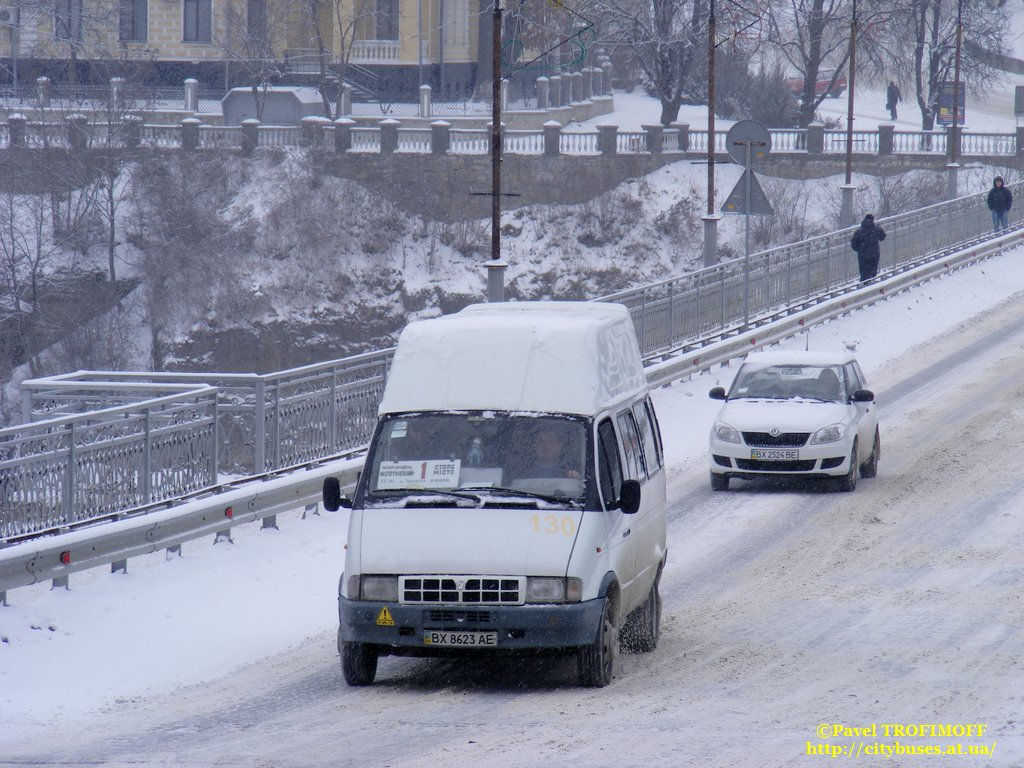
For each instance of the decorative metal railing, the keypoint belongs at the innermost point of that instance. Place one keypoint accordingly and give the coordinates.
(99, 443)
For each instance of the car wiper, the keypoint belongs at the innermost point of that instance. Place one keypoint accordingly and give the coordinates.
(499, 491)
(393, 492)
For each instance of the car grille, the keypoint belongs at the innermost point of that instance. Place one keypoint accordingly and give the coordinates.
(775, 466)
(461, 590)
(782, 440)
(460, 617)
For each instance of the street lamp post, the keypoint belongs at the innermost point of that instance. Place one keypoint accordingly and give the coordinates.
(846, 208)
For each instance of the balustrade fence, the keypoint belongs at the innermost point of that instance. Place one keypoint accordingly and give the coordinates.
(346, 136)
(100, 444)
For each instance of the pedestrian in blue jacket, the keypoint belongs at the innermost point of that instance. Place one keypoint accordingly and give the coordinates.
(1000, 198)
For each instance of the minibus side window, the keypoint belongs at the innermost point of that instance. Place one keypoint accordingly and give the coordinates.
(643, 423)
(609, 468)
(657, 432)
(631, 447)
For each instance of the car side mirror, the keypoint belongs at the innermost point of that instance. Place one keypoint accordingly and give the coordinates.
(333, 500)
(863, 396)
(717, 393)
(629, 496)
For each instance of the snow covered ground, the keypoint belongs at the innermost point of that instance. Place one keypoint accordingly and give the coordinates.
(161, 636)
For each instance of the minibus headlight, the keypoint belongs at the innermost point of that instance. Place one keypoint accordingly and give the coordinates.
(553, 590)
(379, 588)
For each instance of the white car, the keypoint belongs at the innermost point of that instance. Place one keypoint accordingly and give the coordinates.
(796, 414)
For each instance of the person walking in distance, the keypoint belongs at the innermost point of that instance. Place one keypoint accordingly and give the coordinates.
(865, 242)
(1000, 198)
(892, 98)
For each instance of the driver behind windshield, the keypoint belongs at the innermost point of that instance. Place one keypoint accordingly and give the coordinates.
(552, 456)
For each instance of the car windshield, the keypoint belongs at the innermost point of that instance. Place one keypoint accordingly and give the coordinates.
(787, 382)
(493, 453)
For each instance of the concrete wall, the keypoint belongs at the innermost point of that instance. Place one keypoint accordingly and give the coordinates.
(443, 187)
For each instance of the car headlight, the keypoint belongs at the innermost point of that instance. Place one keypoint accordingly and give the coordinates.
(379, 588)
(553, 590)
(830, 434)
(727, 434)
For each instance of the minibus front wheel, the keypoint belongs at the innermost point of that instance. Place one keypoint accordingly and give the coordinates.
(358, 663)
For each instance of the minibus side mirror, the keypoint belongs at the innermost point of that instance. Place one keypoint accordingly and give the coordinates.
(333, 500)
(717, 393)
(629, 496)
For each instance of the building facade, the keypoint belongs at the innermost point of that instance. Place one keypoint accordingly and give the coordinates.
(385, 48)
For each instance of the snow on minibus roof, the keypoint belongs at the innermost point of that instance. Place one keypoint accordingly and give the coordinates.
(559, 357)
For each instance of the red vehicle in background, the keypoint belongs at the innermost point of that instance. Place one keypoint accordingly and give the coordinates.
(824, 84)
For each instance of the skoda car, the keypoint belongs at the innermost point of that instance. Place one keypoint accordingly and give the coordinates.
(796, 414)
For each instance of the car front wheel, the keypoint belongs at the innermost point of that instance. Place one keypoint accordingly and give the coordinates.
(719, 482)
(870, 467)
(848, 482)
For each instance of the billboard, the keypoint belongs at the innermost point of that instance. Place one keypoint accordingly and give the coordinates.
(945, 113)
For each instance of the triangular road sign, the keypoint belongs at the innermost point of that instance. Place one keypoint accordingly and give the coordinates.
(736, 202)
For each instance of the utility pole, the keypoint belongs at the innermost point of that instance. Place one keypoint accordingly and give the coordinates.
(952, 169)
(496, 267)
(846, 207)
(712, 217)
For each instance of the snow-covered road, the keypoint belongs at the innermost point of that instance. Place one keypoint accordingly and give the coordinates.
(786, 610)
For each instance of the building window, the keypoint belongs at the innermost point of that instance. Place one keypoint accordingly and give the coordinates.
(198, 21)
(133, 20)
(376, 20)
(456, 23)
(387, 19)
(67, 20)
(256, 19)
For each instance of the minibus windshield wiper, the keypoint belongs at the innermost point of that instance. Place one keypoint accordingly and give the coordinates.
(393, 492)
(499, 491)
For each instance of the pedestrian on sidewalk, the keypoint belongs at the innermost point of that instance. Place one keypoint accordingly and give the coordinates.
(999, 200)
(892, 98)
(865, 242)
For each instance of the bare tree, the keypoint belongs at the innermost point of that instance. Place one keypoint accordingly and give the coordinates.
(811, 34)
(27, 256)
(333, 26)
(253, 37)
(930, 61)
(668, 39)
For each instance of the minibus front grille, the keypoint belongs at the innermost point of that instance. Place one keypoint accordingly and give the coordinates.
(460, 617)
(461, 590)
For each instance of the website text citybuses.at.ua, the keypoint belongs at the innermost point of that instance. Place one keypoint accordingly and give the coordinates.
(900, 739)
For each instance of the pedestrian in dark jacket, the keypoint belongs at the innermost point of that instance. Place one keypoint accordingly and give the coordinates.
(892, 98)
(865, 242)
(1000, 198)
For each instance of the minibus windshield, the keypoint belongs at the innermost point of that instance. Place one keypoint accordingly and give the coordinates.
(530, 453)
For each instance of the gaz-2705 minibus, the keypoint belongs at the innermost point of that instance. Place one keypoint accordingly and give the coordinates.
(512, 499)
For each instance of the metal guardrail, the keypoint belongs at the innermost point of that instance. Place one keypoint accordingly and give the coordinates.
(217, 512)
(292, 417)
(791, 320)
(718, 300)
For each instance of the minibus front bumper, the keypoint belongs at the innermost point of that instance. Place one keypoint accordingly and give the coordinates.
(436, 630)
